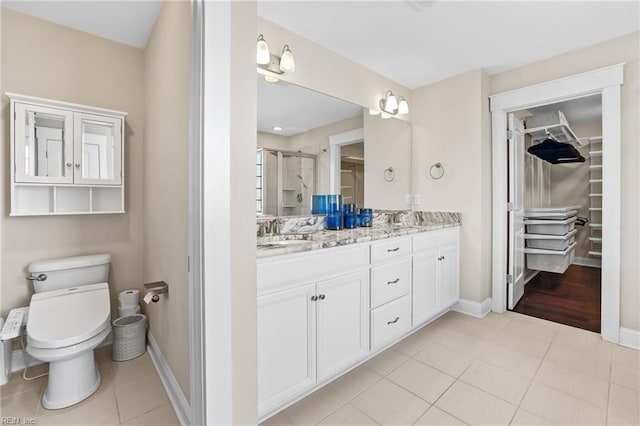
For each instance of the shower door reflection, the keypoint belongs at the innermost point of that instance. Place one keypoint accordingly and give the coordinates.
(285, 182)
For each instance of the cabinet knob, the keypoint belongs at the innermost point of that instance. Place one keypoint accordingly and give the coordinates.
(314, 298)
(77, 165)
(321, 297)
(69, 164)
(394, 321)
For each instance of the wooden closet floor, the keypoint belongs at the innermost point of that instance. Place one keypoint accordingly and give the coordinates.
(572, 298)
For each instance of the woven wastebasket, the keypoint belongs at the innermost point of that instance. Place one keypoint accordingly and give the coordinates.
(129, 337)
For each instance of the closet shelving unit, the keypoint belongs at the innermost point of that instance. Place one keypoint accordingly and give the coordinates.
(595, 196)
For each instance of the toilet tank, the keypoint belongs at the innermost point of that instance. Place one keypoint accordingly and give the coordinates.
(70, 272)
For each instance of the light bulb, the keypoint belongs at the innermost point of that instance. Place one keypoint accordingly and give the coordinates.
(403, 106)
(271, 79)
(390, 103)
(373, 112)
(277, 128)
(287, 64)
(263, 56)
(385, 115)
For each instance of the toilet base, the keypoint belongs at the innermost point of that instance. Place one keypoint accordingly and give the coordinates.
(71, 381)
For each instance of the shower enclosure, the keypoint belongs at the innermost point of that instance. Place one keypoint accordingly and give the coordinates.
(285, 181)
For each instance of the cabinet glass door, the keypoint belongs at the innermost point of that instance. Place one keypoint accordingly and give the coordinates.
(43, 144)
(98, 150)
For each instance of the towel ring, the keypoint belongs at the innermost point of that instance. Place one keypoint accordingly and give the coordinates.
(437, 166)
(389, 174)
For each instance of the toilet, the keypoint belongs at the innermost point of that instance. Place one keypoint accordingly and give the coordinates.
(69, 316)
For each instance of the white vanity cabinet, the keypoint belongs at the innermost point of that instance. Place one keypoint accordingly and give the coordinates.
(435, 273)
(322, 312)
(312, 320)
(66, 158)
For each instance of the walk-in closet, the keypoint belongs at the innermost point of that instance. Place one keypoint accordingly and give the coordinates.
(556, 186)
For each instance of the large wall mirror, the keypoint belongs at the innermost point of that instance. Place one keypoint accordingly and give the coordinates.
(312, 143)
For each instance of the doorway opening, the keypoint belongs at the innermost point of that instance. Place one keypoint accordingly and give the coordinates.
(352, 173)
(555, 191)
(607, 83)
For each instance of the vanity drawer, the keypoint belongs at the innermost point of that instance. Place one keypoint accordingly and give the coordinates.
(390, 321)
(387, 250)
(435, 239)
(390, 281)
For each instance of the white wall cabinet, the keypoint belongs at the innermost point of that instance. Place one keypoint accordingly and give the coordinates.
(66, 158)
(435, 273)
(322, 312)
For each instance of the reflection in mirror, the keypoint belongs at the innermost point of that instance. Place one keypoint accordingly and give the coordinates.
(311, 143)
(98, 150)
(44, 145)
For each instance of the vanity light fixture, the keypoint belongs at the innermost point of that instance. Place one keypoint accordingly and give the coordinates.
(263, 56)
(390, 105)
(287, 63)
(274, 63)
(385, 115)
(373, 111)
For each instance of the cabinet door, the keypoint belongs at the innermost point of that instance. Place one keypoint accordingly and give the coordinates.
(97, 149)
(286, 345)
(425, 285)
(343, 329)
(448, 279)
(43, 144)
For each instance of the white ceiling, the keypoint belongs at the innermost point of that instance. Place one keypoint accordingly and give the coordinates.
(417, 42)
(297, 109)
(129, 22)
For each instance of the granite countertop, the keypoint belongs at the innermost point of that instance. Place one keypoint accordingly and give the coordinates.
(307, 236)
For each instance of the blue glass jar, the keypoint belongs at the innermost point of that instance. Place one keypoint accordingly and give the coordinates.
(365, 217)
(349, 216)
(334, 212)
(320, 204)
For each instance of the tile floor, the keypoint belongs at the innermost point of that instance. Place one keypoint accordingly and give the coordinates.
(130, 394)
(503, 369)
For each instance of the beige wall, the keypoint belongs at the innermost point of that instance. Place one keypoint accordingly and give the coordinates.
(268, 140)
(43, 59)
(167, 85)
(387, 143)
(450, 126)
(622, 49)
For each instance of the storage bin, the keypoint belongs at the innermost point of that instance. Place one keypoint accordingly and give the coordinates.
(550, 227)
(550, 242)
(129, 337)
(556, 261)
(556, 213)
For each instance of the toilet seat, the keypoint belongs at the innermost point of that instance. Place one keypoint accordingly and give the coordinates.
(68, 317)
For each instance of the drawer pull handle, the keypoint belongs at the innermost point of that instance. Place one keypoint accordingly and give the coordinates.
(394, 321)
(393, 249)
(314, 298)
(394, 281)
(321, 297)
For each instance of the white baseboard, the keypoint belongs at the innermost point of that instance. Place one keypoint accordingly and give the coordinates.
(587, 261)
(475, 309)
(630, 338)
(171, 386)
(17, 358)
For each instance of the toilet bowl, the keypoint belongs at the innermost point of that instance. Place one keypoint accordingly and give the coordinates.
(69, 316)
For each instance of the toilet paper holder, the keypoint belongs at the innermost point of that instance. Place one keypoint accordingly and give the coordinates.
(154, 290)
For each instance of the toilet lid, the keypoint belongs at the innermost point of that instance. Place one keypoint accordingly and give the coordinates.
(65, 317)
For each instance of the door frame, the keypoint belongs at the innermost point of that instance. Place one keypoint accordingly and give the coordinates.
(607, 82)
